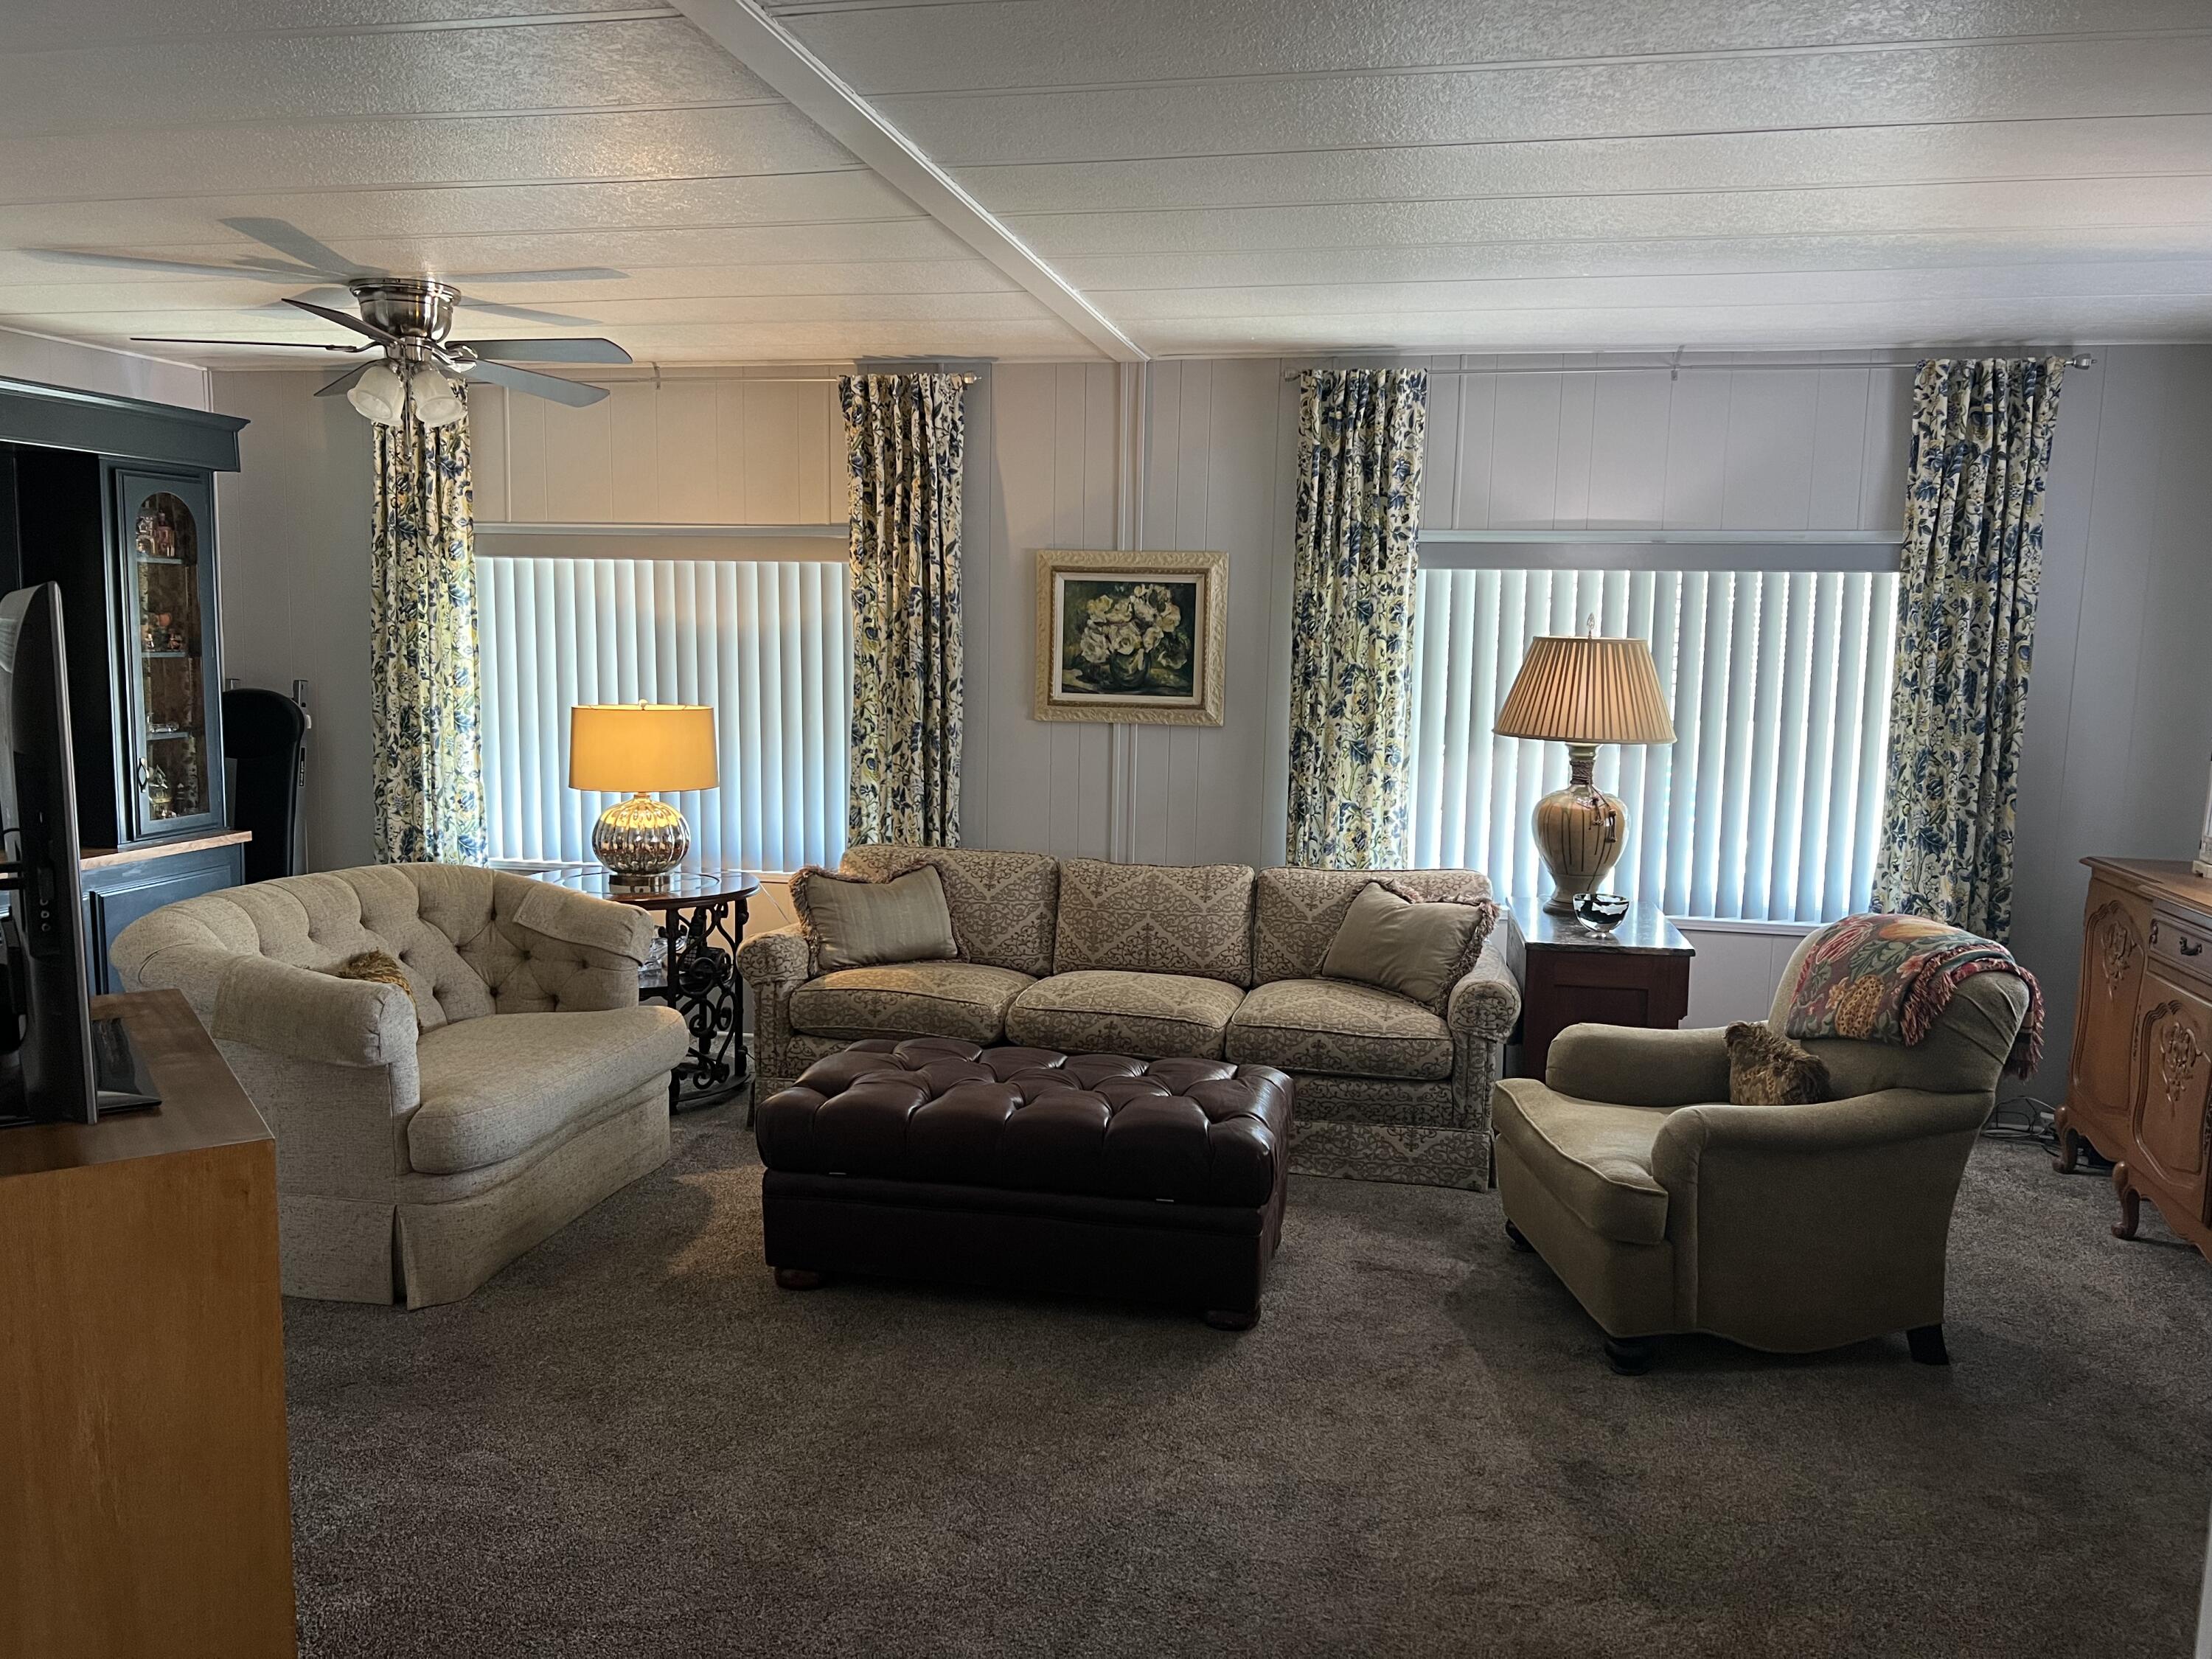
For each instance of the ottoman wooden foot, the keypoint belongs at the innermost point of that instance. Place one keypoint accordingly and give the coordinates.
(1631, 1356)
(1513, 1237)
(799, 1279)
(1222, 1320)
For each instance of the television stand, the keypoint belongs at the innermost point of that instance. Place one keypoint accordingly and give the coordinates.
(147, 1505)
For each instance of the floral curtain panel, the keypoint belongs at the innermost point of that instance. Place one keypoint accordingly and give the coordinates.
(426, 753)
(904, 441)
(1966, 632)
(1360, 435)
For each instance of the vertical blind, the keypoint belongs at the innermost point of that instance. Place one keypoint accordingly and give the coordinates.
(1767, 807)
(764, 643)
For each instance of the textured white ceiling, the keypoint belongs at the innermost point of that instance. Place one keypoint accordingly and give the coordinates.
(1235, 176)
(1302, 175)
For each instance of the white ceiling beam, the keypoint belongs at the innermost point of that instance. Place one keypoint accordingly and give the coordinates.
(771, 51)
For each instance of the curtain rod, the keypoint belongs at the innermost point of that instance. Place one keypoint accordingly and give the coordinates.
(2082, 361)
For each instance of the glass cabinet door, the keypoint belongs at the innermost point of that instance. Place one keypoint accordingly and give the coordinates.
(173, 756)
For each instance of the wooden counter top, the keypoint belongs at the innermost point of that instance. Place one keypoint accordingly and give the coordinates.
(2158, 878)
(92, 858)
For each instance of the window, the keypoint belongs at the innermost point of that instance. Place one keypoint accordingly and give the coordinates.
(1768, 806)
(764, 641)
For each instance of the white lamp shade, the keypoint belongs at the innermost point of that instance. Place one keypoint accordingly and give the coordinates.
(437, 402)
(380, 394)
(638, 747)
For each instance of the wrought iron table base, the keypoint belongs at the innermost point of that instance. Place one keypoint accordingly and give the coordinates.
(699, 945)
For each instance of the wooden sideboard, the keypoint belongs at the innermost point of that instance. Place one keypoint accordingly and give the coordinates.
(2139, 1088)
(145, 1505)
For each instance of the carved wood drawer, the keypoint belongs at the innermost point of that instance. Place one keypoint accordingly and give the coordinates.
(2181, 942)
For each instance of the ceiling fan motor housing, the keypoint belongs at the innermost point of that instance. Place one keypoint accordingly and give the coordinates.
(415, 308)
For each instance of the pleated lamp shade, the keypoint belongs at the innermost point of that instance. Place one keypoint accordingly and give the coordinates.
(642, 746)
(1575, 689)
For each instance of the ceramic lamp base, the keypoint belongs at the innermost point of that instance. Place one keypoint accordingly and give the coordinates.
(640, 840)
(1579, 830)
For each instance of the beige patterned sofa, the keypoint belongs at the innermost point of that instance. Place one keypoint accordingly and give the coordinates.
(1153, 960)
(414, 1164)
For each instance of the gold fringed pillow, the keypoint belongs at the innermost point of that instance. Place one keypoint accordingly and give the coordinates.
(1766, 1070)
(378, 967)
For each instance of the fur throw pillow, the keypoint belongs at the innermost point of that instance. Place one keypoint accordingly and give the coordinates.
(378, 967)
(1766, 1070)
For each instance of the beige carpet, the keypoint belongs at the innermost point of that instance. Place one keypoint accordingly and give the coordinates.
(631, 1443)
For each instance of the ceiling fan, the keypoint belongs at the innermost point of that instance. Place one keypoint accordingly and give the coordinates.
(411, 318)
(408, 320)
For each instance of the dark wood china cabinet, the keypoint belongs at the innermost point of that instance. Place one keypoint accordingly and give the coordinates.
(113, 499)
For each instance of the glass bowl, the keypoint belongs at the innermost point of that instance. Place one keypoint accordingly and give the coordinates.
(1600, 912)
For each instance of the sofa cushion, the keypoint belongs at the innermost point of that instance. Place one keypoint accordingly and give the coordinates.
(496, 1086)
(1156, 919)
(859, 921)
(1593, 1157)
(1338, 1028)
(1296, 912)
(1003, 904)
(962, 999)
(1148, 1015)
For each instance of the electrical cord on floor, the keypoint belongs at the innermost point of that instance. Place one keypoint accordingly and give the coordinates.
(2024, 1117)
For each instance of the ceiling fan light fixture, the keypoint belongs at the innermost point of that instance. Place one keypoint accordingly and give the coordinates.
(380, 394)
(438, 401)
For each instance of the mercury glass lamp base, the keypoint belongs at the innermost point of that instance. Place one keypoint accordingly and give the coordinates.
(640, 840)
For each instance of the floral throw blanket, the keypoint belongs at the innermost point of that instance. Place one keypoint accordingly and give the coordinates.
(1887, 979)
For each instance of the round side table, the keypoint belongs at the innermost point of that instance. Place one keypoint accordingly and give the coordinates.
(700, 914)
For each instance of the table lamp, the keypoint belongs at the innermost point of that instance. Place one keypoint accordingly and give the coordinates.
(1583, 691)
(634, 748)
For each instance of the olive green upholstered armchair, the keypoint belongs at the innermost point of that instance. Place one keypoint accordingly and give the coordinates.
(1786, 1228)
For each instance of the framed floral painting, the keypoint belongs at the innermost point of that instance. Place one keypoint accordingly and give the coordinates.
(1136, 637)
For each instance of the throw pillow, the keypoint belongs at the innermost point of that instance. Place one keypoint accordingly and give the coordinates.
(1766, 1070)
(1397, 941)
(856, 921)
(378, 967)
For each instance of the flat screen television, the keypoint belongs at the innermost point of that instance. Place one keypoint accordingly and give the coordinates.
(56, 1061)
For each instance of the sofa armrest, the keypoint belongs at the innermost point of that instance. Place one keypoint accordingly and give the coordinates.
(1486, 1001)
(1803, 1227)
(781, 957)
(304, 1015)
(1628, 1066)
(605, 932)
(1698, 1136)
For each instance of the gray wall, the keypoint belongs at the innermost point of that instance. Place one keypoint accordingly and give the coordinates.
(2119, 722)
(2119, 703)
(101, 369)
(295, 541)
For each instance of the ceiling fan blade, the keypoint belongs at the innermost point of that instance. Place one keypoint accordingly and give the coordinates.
(523, 313)
(282, 345)
(576, 393)
(340, 317)
(186, 267)
(294, 243)
(345, 382)
(566, 274)
(547, 351)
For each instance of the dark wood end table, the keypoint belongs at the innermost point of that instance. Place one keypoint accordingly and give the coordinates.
(700, 914)
(1639, 974)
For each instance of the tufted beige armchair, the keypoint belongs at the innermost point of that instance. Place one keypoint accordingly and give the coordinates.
(413, 1163)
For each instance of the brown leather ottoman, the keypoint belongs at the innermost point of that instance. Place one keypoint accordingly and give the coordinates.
(1156, 1181)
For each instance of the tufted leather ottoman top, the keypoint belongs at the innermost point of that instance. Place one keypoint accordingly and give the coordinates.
(935, 1109)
